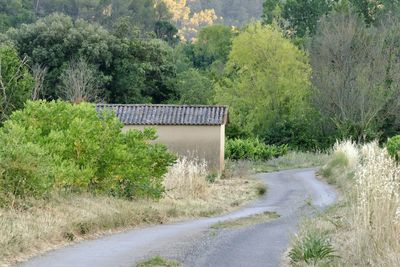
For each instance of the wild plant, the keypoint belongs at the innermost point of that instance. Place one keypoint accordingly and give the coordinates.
(312, 248)
(188, 178)
(377, 209)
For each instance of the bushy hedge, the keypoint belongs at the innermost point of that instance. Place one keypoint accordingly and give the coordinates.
(252, 149)
(56, 145)
(393, 146)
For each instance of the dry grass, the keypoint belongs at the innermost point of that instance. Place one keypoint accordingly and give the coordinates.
(60, 220)
(377, 208)
(365, 226)
(292, 160)
(188, 180)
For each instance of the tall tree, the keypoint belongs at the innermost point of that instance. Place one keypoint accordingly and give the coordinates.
(356, 74)
(267, 80)
(194, 88)
(303, 15)
(56, 40)
(213, 44)
(130, 70)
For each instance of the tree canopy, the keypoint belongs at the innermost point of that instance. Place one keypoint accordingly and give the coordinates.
(266, 80)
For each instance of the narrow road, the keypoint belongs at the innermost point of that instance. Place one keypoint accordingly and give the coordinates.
(192, 242)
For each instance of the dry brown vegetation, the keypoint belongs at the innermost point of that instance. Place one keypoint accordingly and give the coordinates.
(41, 225)
(364, 227)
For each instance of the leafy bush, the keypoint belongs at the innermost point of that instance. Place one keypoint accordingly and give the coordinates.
(59, 146)
(16, 82)
(252, 149)
(312, 248)
(393, 146)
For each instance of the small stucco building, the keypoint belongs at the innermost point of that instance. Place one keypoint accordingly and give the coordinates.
(191, 131)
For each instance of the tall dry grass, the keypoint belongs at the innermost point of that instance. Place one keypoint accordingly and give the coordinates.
(188, 179)
(41, 225)
(377, 207)
(349, 150)
(365, 226)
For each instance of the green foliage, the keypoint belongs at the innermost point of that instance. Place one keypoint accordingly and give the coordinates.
(130, 70)
(267, 79)
(13, 13)
(376, 11)
(158, 261)
(194, 88)
(25, 168)
(252, 149)
(313, 248)
(393, 146)
(59, 146)
(272, 9)
(16, 83)
(55, 40)
(166, 31)
(304, 15)
(213, 45)
(142, 14)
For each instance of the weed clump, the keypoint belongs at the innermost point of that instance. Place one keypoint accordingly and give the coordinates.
(312, 248)
(158, 261)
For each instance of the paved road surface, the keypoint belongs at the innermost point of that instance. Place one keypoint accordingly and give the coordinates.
(194, 244)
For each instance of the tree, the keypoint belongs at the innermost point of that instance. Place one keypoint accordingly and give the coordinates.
(167, 32)
(303, 15)
(213, 44)
(356, 74)
(189, 22)
(194, 88)
(56, 40)
(16, 83)
(375, 11)
(78, 83)
(39, 73)
(266, 80)
(129, 69)
(271, 10)
(143, 14)
(144, 71)
(13, 13)
(298, 18)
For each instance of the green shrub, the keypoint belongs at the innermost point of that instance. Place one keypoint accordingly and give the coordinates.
(393, 146)
(312, 248)
(252, 149)
(60, 146)
(25, 168)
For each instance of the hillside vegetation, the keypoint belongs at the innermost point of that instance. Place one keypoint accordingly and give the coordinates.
(297, 76)
(305, 74)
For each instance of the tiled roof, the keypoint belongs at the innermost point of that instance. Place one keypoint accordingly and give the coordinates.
(143, 114)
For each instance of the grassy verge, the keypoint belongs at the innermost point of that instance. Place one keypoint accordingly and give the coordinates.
(363, 228)
(292, 160)
(242, 222)
(158, 261)
(41, 225)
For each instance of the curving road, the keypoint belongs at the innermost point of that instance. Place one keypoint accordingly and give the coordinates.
(193, 244)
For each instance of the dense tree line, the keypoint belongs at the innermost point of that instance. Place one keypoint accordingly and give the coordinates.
(308, 73)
